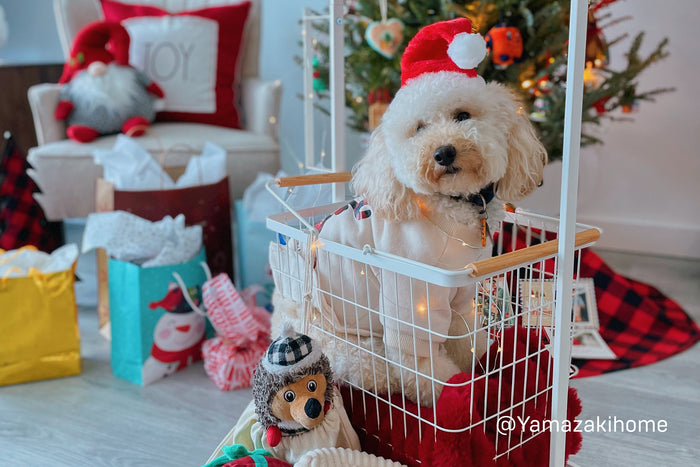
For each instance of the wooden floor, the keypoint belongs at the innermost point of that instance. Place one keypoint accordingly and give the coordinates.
(96, 419)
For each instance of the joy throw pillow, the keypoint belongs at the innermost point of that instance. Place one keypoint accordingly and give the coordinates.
(192, 55)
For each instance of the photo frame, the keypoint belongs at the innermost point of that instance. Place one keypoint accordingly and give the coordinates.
(537, 301)
(584, 308)
(590, 345)
(493, 303)
(587, 343)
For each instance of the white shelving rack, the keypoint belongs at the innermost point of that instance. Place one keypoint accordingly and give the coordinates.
(294, 270)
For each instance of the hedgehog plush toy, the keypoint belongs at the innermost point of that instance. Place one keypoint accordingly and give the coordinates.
(297, 407)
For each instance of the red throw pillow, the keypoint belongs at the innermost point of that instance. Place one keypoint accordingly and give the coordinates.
(192, 55)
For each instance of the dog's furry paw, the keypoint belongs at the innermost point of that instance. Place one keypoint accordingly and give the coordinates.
(422, 383)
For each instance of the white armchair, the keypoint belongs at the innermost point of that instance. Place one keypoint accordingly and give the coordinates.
(64, 170)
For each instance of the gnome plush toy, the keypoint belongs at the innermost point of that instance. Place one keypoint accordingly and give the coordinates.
(102, 94)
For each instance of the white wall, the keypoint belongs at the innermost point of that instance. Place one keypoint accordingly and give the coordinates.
(33, 37)
(641, 186)
(280, 43)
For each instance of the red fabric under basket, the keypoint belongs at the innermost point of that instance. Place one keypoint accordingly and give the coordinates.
(385, 431)
(639, 323)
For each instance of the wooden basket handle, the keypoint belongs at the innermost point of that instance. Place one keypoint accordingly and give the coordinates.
(314, 179)
(488, 266)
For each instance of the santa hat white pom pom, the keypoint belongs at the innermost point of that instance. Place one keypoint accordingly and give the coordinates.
(467, 50)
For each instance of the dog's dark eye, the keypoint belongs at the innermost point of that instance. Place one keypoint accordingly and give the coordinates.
(462, 116)
(311, 385)
(289, 396)
(420, 126)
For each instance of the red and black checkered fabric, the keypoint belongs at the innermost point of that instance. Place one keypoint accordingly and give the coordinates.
(22, 221)
(640, 324)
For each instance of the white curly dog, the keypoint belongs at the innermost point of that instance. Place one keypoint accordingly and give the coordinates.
(447, 146)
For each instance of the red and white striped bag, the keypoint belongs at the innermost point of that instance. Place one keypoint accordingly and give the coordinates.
(230, 315)
(243, 333)
(231, 367)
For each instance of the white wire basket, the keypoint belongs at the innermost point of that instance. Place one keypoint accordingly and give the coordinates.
(333, 289)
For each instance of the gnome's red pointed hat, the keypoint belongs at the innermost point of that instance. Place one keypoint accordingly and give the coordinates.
(103, 41)
(447, 46)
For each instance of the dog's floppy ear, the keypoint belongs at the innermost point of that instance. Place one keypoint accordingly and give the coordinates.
(526, 156)
(374, 180)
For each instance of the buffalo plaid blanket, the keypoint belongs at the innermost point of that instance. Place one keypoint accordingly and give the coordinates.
(22, 220)
(638, 322)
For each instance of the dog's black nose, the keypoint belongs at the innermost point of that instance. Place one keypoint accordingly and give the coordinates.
(312, 408)
(445, 155)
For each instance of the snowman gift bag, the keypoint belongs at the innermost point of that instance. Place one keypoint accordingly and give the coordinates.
(155, 332)
(155, 274)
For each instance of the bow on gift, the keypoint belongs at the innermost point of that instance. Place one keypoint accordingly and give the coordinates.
(243, 333)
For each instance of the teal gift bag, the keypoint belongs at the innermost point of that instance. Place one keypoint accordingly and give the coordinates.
(155, 332)
(252, 266)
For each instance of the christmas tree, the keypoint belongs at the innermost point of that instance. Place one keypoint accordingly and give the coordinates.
(527, 42)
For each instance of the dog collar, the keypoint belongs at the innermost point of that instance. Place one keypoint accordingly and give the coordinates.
(480, 199)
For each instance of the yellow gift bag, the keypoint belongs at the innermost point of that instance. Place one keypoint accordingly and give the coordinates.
(39, 337)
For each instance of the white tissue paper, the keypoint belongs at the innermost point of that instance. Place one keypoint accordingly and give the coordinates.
(130, 167)
(259, 203)
(127, 237)
(16, 263)
(205, 169)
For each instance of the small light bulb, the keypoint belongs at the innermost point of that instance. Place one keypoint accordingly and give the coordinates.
(303, 32)
(472, 349)
(301, 165)
(362, 272)
(464, 244)
(359, 99)
(311, 95)
(314, 42)
(526, 84)
(277, 82)
(272, 120)
(551, 60)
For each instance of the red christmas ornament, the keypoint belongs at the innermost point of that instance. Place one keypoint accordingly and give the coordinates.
(505, 44)
(599, 105)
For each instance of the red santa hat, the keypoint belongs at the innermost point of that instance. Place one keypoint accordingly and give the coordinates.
(103, 41)
(445, 46)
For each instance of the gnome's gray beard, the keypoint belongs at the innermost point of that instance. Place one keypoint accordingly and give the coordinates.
(116, 92)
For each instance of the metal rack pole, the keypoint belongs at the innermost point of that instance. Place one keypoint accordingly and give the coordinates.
(567, 227)
(308, 89)
(337, 88)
